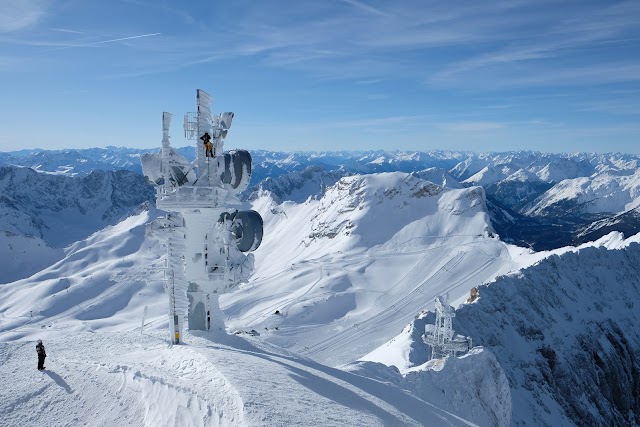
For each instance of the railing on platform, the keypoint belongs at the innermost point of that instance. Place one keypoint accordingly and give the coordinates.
(189, 196)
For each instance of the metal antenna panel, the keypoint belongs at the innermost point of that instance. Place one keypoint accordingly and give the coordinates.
(191, 125)
(166, 121)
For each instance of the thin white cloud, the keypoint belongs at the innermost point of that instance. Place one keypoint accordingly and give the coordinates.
(16, 15)
(369, 81)
(623, 107)
(556, 47)
(366, 7)
(369, 123)
(589, 74)
(66, 30)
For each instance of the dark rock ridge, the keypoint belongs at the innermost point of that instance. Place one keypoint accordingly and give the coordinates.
(566, 333)
(61, 209)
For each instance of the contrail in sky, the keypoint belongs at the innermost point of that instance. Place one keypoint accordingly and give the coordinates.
(117, 40)
(107, 41)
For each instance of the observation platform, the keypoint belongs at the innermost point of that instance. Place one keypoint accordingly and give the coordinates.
(187, 196)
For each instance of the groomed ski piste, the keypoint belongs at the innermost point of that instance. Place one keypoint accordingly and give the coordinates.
(345, 274)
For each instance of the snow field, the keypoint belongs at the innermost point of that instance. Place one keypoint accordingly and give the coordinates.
(128, 378)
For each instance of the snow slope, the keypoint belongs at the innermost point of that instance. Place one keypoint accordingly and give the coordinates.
(23, 256)
(563, 333)
(104, 370)
(348, 271)
(604, 192)
(129, 378)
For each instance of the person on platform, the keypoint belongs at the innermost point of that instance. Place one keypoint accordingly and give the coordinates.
(208, 148)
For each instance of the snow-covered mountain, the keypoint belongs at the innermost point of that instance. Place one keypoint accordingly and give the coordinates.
(78, 162)
(627, 223)
(603, 192)
(62, 210)
(299, 186)
(42, 213)
(363, 259)
(562, 333)
(338, 275)
(535, 185)
(561, 194)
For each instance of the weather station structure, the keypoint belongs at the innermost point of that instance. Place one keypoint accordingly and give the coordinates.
(440, 336)
(206, 233)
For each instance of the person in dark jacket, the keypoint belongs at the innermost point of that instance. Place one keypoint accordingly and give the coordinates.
(208, 147)
(42, 354)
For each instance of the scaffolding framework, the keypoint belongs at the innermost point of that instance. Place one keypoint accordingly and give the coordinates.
(440, 336)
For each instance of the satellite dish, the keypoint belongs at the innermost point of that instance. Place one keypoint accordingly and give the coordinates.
(237, 169)
(225, 120)
(246, 228)
(152, 167)
(179, 168)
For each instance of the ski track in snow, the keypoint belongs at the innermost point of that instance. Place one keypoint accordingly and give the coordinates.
(374, 323)
(435, 271)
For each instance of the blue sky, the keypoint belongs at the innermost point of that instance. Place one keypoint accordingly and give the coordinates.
(324, 75)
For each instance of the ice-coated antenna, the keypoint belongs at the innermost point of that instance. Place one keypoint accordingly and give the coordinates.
(206, 257)
(440, 336)
(191, 125)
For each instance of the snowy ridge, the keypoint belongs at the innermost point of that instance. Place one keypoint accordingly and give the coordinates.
(605, 192)
(566, 323)
(298, 186)
(579, 183)
(80, 162)
(526, 183)
(355, 266)
(627, 222)
(61, 210)
(97, 281)
(562, 331)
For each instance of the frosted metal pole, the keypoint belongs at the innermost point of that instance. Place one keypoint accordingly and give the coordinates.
(166, 122)
(205, 121)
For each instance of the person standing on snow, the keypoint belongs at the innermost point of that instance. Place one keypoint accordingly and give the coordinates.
(42, 354)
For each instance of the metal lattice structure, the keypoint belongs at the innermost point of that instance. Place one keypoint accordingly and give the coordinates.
(440, 336)
(190, 125)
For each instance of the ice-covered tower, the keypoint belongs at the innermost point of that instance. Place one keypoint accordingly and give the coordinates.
(440, 335)
(206, 233)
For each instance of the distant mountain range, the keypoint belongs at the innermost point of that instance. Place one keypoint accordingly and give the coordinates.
(539, 200)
